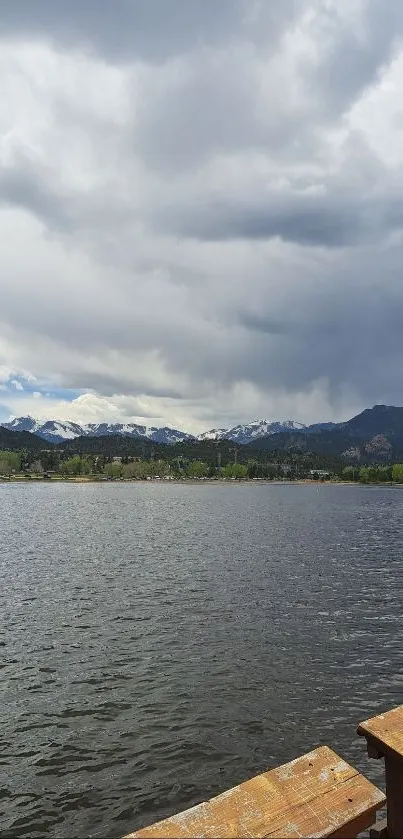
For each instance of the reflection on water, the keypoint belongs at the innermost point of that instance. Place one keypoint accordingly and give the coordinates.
(159, 643)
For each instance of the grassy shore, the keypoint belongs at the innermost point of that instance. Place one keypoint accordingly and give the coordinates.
(86, 479)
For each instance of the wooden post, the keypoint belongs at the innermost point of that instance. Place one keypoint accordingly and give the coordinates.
(394, 796)
(384, 736)
(379, 830)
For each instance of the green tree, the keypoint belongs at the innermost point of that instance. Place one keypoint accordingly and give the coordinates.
(71, 467)
(252, 468)
(197, 469)
(239, 471)
(397, 473)
(235, 470)
(113, 470)
(10, 462)
(385, 473)
(212, 471)
(87, 464)
(161, 467)
(24, 459)
(136, 470)
(156, 468)
(351, 473)
(376, 474)
(268, 471)
(36, 468)
(50, 460)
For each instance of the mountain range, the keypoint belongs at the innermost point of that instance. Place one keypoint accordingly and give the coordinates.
(375, 435)
(55, 431)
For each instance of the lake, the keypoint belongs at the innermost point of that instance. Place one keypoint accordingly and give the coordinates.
(161, 643)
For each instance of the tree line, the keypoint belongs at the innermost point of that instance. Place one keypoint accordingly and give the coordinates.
(53, 462)
(374, 474)
(175, 464)
(50, 463)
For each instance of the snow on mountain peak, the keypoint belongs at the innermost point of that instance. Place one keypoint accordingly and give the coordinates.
(244, 434)
(215, 434)
(27, 423)
(56, 431)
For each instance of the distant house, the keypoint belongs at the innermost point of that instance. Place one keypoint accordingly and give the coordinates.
(117, 459)
(319, 473)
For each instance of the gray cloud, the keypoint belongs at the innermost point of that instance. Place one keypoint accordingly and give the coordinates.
(355, 54)
(240, 96)
(124, 29)
(201, 206)
(359, 203)
(154, 31)
(24, 187)
(335, 211)
(308, 222)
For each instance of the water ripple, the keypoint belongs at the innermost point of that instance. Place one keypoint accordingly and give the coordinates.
(160, 644)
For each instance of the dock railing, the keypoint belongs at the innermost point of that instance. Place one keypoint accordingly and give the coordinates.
(316, 795)
(384, 736)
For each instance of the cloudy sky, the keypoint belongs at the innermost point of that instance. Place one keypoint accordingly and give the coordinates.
(201, 209)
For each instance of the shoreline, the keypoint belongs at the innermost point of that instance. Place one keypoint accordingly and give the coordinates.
(83, 479)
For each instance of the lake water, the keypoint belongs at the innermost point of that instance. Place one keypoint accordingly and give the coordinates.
(160, 644)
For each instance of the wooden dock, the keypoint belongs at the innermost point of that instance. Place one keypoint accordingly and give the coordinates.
(316, 795)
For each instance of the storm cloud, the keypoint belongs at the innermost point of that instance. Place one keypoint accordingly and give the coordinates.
(201, 209)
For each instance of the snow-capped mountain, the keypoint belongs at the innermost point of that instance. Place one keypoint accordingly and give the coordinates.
(130, 429)
(52, 430)
(22, 424)
(55, 432)
(215, 434)
(58, 431)
(244, 434)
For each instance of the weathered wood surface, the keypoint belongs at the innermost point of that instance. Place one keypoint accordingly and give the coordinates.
(316, 795)
(384, 733)
(379, 830)
(394, 793)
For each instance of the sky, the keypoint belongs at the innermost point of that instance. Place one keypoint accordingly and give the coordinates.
(201, 210)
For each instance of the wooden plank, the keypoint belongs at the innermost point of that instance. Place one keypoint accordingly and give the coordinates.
(384, 735)
(359, 825)
(186, 824)
(264, 803)
(343, 811)
(273, 791)
(385, 732)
